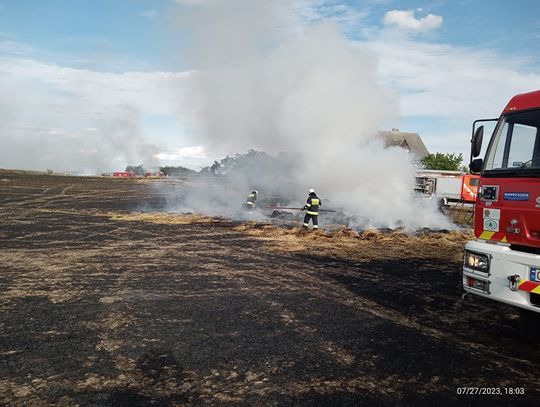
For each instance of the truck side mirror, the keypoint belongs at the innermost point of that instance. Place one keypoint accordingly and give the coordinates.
(476, 165)
(476, 142)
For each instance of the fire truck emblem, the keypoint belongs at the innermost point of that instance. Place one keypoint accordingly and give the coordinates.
(492, 218)
(538, 201)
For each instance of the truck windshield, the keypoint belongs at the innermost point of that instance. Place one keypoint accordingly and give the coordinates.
(515, 147)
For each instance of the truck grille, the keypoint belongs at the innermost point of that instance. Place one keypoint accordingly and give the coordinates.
(526, 249)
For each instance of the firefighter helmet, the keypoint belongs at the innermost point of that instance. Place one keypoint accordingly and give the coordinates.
(311, 191)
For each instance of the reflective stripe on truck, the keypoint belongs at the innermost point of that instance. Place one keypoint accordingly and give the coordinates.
(530, 286)
(496, 236)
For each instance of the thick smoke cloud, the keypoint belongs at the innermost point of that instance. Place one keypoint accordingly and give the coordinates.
(273, 83)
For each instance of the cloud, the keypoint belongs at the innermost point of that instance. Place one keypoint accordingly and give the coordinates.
(78, 119)
(406, 20)
(15, 48)
(193, 157)
(448, 81)
(150, 14)
(443, 88)
(347, 16)
(191, 151)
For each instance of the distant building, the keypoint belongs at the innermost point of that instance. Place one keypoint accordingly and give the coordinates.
(408, 141)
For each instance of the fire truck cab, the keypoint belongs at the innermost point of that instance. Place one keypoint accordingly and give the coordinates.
(503, 263)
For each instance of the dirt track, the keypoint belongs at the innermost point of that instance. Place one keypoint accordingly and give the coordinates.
(101, 305)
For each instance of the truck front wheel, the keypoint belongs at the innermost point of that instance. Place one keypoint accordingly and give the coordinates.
(529, 325)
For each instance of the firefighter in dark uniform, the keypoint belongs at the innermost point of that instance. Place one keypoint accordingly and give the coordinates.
(312, 208)
(251, 201)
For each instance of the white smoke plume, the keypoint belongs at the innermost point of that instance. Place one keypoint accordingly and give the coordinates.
(272, 82)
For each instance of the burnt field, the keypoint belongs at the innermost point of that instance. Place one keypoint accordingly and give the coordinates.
(102, 305)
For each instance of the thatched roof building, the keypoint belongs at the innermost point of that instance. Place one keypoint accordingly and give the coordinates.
(408, 141)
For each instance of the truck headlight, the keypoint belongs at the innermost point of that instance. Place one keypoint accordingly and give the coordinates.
(477, 261)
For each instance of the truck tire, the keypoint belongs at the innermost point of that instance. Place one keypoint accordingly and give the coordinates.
(529, 325)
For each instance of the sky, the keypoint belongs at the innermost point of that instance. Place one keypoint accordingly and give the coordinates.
(93, 86)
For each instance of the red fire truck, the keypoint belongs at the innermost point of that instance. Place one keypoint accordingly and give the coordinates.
(123, 174)
(446, 186)
(503, 264)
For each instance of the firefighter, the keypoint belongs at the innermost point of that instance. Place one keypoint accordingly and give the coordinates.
(312, 207)
(251, 201)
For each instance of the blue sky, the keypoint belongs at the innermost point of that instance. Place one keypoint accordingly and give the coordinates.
(72, 29)
(85, 54)
(133, 29)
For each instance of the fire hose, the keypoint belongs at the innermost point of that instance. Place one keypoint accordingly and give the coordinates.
(298, 209)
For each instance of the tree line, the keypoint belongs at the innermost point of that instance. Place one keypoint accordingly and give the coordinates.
(254, 159)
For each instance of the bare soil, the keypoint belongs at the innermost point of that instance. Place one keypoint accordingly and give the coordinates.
(104, 305)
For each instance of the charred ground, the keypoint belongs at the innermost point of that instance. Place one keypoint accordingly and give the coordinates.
(103, 305)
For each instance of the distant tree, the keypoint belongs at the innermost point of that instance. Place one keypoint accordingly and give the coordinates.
(254, 166)
(176, 171)
(205, 171)
(440, 161)
(215, 168)
(227, 164)
(138, 170)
